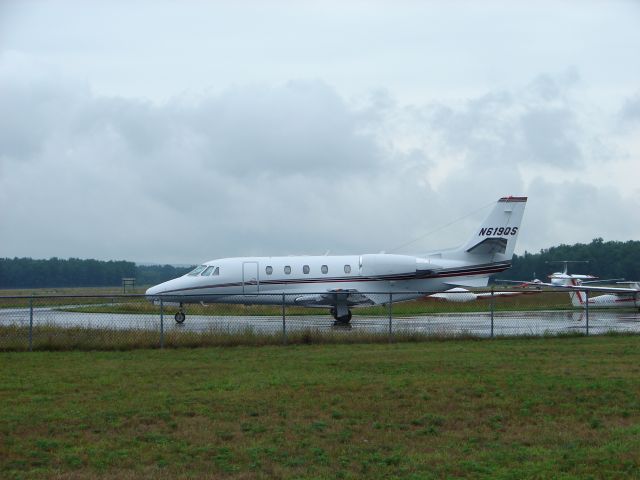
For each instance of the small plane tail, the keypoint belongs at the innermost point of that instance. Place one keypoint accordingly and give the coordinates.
(578, 297)
(497, 235)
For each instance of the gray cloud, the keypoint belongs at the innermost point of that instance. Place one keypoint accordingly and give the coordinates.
(630, 111)
(575, 211)
(30, 108)
(251, 170)
(457, 114)
(286, 169)
(246, 128)
(550, 135)
(537, 125)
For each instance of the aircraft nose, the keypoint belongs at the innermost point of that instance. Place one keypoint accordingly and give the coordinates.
(152, 291)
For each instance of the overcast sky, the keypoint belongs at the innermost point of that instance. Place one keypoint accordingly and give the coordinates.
(179, 132)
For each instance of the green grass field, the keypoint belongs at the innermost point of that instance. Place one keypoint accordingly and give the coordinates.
(19, 298)
(43, 292)
(509, 408)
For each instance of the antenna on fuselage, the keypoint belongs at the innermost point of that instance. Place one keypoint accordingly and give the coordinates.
(441, 227)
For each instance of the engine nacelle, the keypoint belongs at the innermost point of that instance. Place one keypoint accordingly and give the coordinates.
(387, 264)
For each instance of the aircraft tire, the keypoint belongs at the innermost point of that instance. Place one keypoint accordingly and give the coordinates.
(179, 317)
(343, 321)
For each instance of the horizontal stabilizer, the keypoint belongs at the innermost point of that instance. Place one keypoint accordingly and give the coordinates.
(489, 246)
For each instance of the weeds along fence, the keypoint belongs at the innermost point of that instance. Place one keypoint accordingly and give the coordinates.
(119, 322)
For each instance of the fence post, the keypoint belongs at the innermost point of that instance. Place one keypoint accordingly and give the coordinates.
(586, 308)
(31, 324)
(284, 322)
(161, 323)
(390, 317)
(492, 308)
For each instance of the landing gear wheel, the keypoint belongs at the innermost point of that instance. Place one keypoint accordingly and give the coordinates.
(179, 317)
(343, 321)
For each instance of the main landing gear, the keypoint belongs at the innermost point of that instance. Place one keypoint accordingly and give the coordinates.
(342, 316)
(180, 316)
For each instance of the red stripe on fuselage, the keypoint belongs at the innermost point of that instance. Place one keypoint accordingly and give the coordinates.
(631, 299)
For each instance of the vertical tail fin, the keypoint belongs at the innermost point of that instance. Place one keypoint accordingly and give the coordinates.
(498, 234)
(578, 297)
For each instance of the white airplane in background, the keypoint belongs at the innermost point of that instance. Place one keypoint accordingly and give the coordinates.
(557, 279)
(615, 297)
(560, 279)
(462, 295)
(345, 281)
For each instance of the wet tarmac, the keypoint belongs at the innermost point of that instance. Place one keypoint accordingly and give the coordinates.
(474, 323)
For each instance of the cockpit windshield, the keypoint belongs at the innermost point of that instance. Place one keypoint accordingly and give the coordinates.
(207, 272)
(197, 271)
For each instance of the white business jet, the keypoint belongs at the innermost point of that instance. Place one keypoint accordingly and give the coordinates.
(559, 279)
(345, 281)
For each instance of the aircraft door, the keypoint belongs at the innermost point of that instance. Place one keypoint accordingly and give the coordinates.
(250, 280)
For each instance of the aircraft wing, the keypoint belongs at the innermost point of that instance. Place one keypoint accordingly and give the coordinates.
(330, 298)
(525, 283)
(502, 294)
(618, 290)
(584, 288)
(576, 287)
(604, 280)
(538, 284)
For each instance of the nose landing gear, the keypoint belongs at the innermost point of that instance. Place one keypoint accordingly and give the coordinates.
(342, 316)
(180, 316)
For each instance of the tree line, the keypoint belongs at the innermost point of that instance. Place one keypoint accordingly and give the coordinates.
(75, 272)
(606, 260)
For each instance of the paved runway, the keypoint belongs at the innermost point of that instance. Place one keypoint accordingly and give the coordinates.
(476, 324)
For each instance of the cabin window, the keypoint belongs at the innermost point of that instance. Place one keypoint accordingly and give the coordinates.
(324, 269)
(197, 270)
(269, 269)
(305, 269)
(287, 270)
(206, 272)
(347, 269)
(216, 271)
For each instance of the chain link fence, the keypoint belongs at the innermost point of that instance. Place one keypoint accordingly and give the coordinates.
(120, 322)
